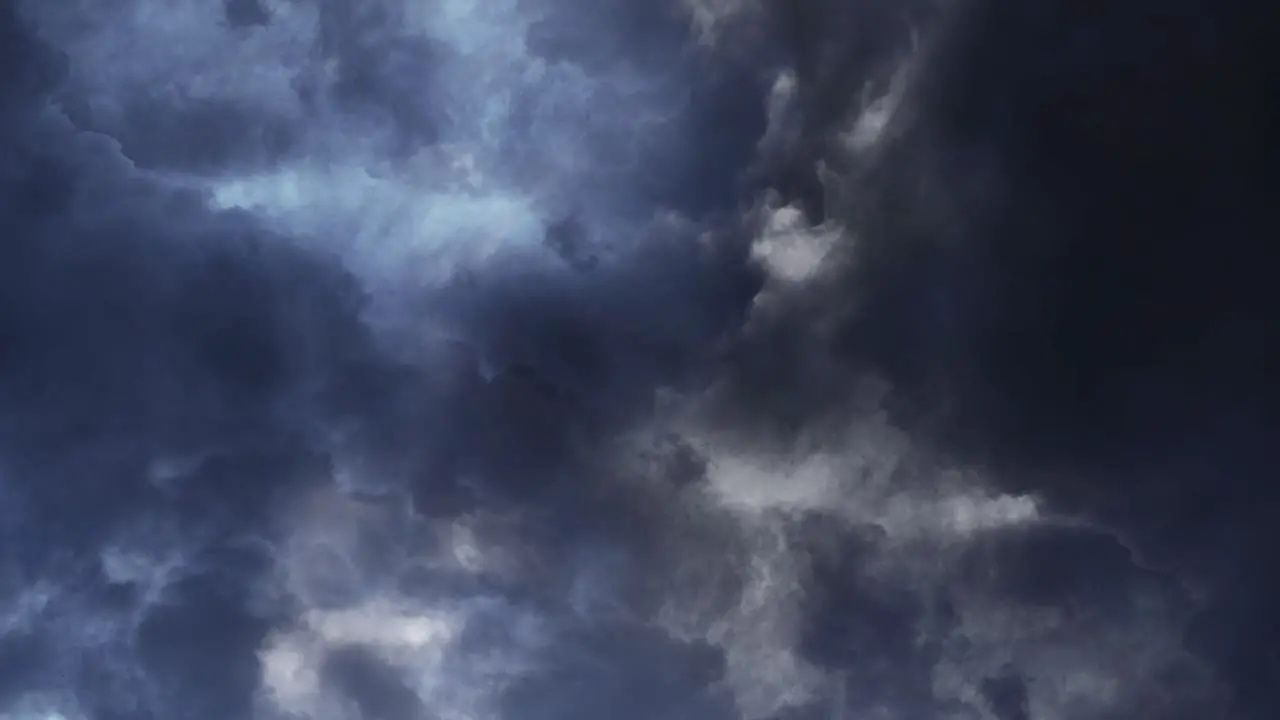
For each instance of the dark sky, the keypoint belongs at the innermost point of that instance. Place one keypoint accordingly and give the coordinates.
(680, 359)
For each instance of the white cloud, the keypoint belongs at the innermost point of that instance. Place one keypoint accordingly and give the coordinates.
(862, 475)
(743, 588)
(411, 639)
(344, 563)
(759, 635)
(790, 249)
(43, 706)
(710, 18)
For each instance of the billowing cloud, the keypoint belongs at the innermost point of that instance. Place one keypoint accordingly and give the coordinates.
(553, 359)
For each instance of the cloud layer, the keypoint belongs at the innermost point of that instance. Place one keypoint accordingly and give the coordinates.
(549, 359)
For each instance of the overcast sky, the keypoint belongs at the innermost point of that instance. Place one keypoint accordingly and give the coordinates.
(637, 359)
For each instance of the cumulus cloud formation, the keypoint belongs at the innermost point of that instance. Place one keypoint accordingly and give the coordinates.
(553, 359)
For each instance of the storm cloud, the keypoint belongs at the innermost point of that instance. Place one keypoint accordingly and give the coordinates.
(701, 359)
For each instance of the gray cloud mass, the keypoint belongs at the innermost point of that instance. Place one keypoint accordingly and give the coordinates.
(683, 359)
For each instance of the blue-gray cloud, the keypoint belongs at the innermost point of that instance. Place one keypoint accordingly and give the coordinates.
(556, 359)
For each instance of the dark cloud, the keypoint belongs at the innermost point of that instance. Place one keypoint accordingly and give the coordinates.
(158, 360)
(245, 13)
(373, 687)
(712, 358)
(1062, 270)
